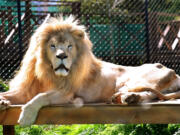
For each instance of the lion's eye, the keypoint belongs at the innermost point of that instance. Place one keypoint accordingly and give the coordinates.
(69, 47)
(53, 47)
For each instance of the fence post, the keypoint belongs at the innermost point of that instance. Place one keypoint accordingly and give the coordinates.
(8, 130)
(76, 9)
(19, 28)
(147, 32)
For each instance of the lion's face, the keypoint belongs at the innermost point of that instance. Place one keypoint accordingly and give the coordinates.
(63, 48)
(61, 54)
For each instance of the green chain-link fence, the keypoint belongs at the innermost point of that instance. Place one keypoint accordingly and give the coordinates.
(127, 32)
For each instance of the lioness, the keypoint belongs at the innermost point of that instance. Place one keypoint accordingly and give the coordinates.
(59, 68)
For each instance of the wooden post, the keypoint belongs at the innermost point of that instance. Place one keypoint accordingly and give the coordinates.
(10, 20)
(76, 9)
(8, 130)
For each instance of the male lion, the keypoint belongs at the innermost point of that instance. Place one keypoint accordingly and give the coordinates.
(59, 68)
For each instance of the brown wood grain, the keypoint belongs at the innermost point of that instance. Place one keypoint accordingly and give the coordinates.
(95, 114)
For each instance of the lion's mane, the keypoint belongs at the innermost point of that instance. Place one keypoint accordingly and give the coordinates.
(36, 74)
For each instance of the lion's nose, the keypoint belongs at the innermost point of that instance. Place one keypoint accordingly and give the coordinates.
(61, 56)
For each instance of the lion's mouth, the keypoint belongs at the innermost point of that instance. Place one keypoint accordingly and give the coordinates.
(61, 67)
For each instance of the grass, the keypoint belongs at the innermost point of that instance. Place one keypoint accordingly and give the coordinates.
(99, 129)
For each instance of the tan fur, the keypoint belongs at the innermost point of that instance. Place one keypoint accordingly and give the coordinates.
(36, 74)
(89, 78)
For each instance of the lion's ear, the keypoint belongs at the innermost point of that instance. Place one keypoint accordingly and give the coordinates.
(78, 34)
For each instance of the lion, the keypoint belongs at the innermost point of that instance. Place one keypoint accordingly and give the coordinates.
(60, 68)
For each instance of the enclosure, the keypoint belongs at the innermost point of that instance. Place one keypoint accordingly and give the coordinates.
(125, 32)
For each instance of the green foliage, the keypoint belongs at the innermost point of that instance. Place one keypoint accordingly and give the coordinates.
(171, 6)
(3, 86)
(172, 128)
(99, 129)
(130, 6)
(32, 130)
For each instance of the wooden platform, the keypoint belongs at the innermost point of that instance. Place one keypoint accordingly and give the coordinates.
(99, 113)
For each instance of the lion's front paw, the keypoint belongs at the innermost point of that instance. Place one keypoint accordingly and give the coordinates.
(28, 115)
(4, 104)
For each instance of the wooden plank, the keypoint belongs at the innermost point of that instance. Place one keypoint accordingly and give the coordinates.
(165, 41)
(176, 40)
(95, 114)
(165, 32)
(11, 33)
(10, 116)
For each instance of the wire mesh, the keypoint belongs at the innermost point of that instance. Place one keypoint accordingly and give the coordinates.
(127, 32)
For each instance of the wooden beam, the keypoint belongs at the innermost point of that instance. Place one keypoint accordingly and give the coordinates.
(95, 114)
(176, 40)
(163, 35)
(8, 130)
(13, 30)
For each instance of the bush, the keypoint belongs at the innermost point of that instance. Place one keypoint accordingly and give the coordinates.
(100, 129)
(3, 86)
